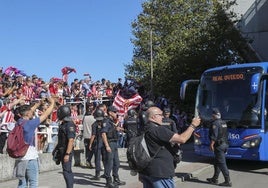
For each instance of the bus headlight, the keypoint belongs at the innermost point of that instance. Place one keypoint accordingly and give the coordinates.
(252, 143)
(197, 141)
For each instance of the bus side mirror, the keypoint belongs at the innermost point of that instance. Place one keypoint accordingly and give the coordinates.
(264, 77)
(184, 86)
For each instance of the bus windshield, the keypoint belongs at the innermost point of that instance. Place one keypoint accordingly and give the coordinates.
(234, 92)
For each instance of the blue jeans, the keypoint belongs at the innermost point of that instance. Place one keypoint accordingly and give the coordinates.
(152, 182)
(121, 140)
(31, 175)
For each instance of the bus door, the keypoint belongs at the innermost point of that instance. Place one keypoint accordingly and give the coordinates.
(264, 146)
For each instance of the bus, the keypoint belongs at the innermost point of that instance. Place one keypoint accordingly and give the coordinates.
(240, 92)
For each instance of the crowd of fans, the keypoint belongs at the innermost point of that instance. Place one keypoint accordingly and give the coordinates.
(17, 89)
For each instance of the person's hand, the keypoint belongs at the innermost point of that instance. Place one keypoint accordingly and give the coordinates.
(66, 158)
(196, 121)
(22, 98)
(51, 100)
(108, 149)
(119, 128)
(211, 147)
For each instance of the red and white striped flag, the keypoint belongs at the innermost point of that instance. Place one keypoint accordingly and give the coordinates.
(123, 105)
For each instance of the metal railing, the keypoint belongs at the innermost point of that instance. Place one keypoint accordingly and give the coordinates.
(37, 133)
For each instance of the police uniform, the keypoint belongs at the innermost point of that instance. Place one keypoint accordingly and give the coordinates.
(175, 149)
(98, 148)
(112, 162)
(143, 116)
(170, 124)
(219, 135)
(142, 120)
(131, 128)
(66, 132)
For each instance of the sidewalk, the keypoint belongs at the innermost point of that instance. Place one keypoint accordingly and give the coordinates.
(190, 166)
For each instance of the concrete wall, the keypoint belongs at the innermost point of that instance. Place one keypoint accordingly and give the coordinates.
(46, 162)
(254, 24)
(7, 165)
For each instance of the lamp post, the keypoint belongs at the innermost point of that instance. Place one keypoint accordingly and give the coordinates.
(151, 61)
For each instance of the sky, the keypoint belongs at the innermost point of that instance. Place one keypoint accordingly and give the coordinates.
(43, 36)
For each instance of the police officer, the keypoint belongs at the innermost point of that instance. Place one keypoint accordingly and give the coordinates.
(143, 115)
(66, 137)
(131, 125)
(110, 137)
(218, 144)
(167, 121)
(96, 144)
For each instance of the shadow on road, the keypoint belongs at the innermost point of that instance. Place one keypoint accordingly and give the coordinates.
(196, 180)
(257, 167)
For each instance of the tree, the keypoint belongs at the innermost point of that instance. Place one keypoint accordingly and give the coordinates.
(187, 38)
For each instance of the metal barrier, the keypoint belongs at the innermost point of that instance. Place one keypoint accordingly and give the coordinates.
(45, 133)
(78, 137)
(37, 132)
(83, 101)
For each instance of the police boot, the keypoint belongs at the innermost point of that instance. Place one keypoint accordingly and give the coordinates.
(110, 184)
(212, 180)
(97, 176)
(227, 182)
(117, 181)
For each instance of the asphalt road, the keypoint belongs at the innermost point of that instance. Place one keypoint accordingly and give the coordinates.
(191, 165)
(244, 174)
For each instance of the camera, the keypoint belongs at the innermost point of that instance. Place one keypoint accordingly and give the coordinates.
(178, 156)
(57, 155)
(177, 153)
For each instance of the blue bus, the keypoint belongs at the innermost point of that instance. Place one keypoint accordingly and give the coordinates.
(240, 92)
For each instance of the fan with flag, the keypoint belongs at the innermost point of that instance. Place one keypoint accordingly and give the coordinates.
(13, 71)
(65, 71)
(126, 99)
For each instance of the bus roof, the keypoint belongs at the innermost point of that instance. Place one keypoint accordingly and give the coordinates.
(233, 66)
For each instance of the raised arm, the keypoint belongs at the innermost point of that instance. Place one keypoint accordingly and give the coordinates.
(49, 110)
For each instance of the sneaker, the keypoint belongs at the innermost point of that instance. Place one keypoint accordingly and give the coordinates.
(226, 184)
(212, 180)
(89, 165)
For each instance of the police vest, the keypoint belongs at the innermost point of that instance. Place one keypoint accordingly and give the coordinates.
(112, 134)
(223, 132)
(131, 125)
(62, 136)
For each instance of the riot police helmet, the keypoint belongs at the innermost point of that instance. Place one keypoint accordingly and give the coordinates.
(147, 105)
(166, 110)
(99, 114)
(131, 113)
(64, 112)
(216, 113)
